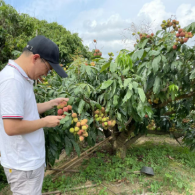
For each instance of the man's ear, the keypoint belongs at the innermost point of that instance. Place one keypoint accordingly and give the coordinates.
(35, 57)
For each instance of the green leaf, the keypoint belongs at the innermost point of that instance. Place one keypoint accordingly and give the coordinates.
(108, 106)
(120, 82)
(173, 87)
(76, 146)
(156, 63)
(149, 111)
(130, 86)
(104, 67)
(190, 27)
(67, 124)
(164, 59)
(127, 96)
(106, 84)
(159, 31)
(144, 43)
(119, 116)
(115, 100)
(57, 138)
(153, 53)
(126, 82)
(147, 49)
(140, 110)
(67, 118)
(92, 135)
(113, 66)
(135, 85)
(141, 94)
(126, 71)
(137, 55)
(156, 87)
(140, 53)
(192, 76)
(68, 145)
(113, 89)
(174, 65)
(50, 93)
(98, 106)
(81, 105)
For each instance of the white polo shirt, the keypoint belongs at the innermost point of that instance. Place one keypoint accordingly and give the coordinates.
(17, 101)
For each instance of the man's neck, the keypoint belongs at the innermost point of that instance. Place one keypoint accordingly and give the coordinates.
(23, 62)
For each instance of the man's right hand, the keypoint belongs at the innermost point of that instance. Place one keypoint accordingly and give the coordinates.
(52, 121)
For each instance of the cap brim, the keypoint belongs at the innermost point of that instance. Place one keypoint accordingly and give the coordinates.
(59, 70)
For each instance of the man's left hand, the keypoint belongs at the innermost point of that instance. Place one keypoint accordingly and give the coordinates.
(57, 101)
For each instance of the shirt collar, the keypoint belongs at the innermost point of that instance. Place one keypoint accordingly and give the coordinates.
(20, 70)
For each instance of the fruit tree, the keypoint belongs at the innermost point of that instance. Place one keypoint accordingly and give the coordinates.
(149, 90)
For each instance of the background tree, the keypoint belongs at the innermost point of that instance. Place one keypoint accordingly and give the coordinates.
(17, 29)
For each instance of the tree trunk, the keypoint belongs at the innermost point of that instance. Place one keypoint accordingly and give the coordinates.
(121, 141)
(119, 148)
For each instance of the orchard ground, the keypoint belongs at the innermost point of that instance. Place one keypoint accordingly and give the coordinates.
(174, 169)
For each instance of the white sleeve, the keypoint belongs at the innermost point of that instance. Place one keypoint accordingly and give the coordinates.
(12, 99)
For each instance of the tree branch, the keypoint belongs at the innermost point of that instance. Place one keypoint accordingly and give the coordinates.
(177, 98)
(129, 121)
(88, 101)
(133, 139)
(168, 113)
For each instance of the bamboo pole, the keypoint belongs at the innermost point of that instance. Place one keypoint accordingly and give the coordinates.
(71, 189)
(83, 154)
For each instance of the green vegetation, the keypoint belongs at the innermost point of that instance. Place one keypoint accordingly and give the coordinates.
(3, 180)
(149, 90)
(17, 29)
(174, 169)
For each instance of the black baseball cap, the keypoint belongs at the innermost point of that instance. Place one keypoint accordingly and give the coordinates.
(47, 50)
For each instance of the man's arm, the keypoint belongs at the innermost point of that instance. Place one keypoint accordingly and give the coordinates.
(42, 107)
(19, 126)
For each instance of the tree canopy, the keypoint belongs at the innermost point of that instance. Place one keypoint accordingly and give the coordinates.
(17, 29)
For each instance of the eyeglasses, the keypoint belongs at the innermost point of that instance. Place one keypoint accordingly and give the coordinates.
(46, 65)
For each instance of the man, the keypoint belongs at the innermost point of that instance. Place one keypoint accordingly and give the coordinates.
(22, 139)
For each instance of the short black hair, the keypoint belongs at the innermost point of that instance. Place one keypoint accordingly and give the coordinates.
(27, 52)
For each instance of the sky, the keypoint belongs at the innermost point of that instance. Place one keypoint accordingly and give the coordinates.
(108, 21)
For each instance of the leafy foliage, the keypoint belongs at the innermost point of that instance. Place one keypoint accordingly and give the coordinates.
(149, 88)
(17, 29)
(173, 168)
(3, 179)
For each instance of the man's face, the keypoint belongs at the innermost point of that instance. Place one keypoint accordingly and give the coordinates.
(41, 68)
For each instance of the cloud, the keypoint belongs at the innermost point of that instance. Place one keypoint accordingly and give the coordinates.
(106, 20)
(186, 14)
(45, 10)
(155, 12)
(106, 30)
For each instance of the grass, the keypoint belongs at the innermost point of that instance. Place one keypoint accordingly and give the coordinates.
(173, 165)
(174, 169)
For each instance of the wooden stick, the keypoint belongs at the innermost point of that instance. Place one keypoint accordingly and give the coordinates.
(83, 154)
(81, 158)
(108, 188)
(47, 193)
(70, 171)
(82, 187)
(71, 189)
